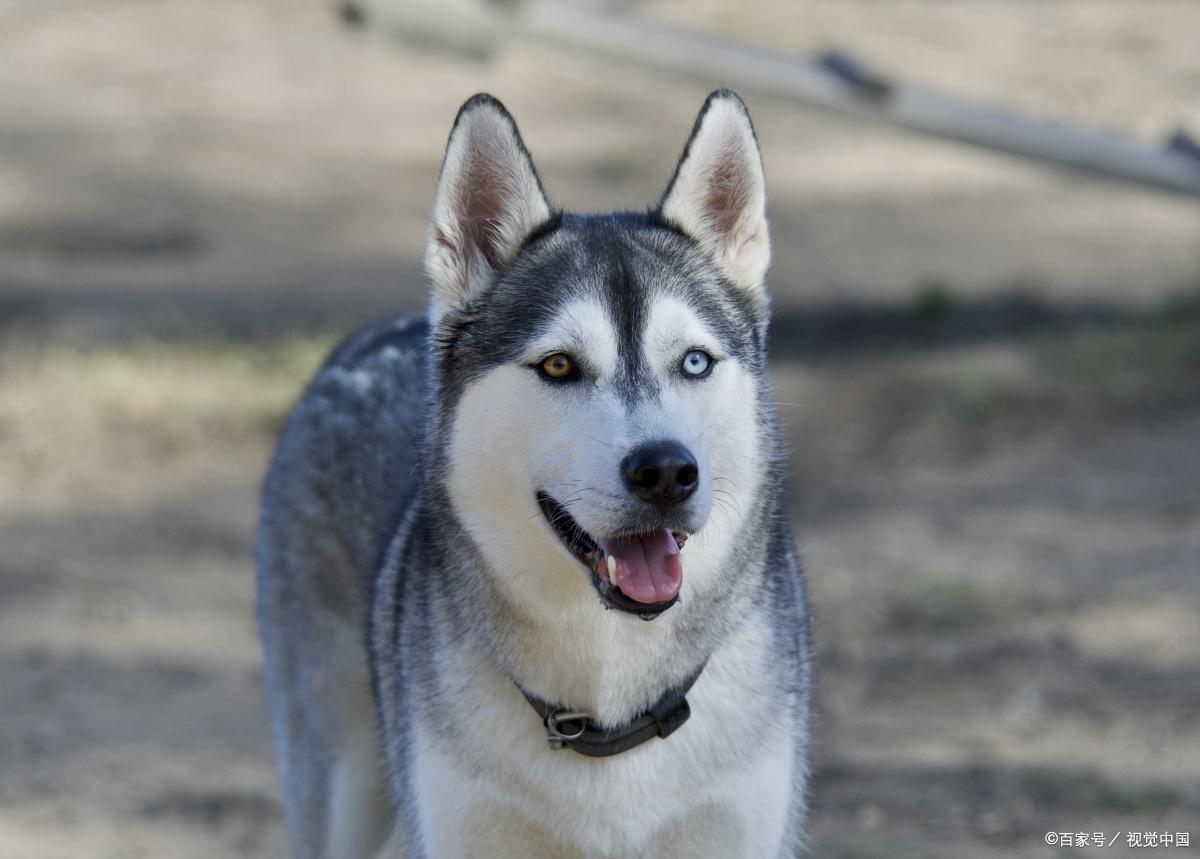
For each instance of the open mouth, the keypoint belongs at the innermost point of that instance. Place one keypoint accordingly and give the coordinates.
(637, 573)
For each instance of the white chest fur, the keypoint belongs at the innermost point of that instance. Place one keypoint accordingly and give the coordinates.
(723, 785)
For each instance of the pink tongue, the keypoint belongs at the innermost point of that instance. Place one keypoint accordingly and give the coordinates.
(648, 567)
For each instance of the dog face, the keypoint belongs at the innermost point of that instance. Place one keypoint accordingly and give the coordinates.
(602, 375)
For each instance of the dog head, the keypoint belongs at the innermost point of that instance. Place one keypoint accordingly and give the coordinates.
(599, 378)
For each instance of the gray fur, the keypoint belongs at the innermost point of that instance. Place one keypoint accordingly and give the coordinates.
(382, 627)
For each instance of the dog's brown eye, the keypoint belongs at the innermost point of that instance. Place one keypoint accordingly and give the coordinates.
(558, 366)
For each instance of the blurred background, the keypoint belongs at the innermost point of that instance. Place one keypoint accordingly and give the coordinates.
(991, 378)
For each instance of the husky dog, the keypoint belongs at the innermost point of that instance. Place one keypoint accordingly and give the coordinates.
(507, 550)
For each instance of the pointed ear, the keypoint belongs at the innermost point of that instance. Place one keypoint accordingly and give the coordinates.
(488, 200)
(718, 194)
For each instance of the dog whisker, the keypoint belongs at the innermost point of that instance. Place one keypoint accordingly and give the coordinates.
(731, 499)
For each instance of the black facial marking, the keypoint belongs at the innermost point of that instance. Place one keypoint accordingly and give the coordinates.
(626, 299)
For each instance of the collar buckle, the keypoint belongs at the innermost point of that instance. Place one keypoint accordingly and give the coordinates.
(578, 731)
(562, 726)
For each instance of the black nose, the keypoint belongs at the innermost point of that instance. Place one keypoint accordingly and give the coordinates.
(662, 472)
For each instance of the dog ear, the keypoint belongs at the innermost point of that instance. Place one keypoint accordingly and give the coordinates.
(718, 193)
(488, 200)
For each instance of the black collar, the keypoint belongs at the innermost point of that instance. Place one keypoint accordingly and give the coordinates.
(577, 730)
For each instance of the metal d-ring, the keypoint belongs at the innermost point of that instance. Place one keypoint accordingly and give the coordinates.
(554, 733)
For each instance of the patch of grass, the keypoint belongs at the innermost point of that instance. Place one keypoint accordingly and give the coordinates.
(1150, 362)
(66, 412)
(1138, 798)
(1083, 790)
(1183, 306)
(933, 300)
(1146, 362)
(1057, 789)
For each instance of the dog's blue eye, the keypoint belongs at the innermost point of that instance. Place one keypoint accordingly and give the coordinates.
(696, 364)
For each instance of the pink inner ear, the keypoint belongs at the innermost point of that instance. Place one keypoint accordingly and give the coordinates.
(481, 206)
(729, 192)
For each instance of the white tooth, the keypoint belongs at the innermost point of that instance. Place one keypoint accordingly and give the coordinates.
(612, 570)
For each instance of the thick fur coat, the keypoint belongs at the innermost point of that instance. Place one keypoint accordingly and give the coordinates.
(412, 586)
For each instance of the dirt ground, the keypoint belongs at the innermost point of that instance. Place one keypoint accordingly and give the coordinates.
(989, 376)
